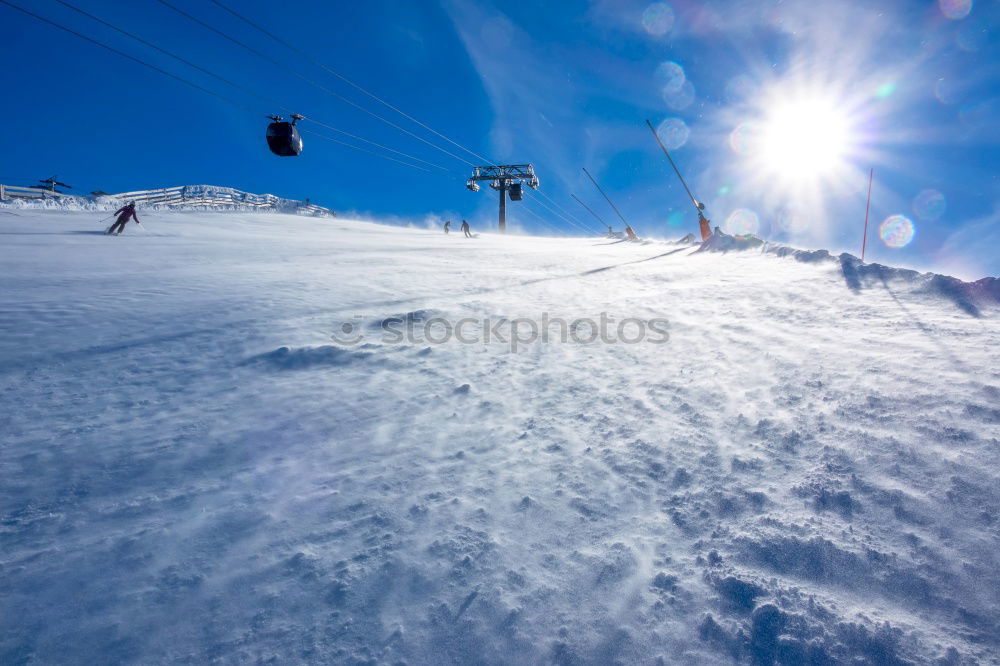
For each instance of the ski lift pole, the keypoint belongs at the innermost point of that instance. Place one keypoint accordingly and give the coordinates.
(676, 170)
(605, 196)
(698, 206)
(592, 212)
(864, 241)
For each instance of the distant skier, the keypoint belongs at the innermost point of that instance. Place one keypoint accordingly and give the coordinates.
(447, 226)
(630, 234)
(465, 228)
(125, 213)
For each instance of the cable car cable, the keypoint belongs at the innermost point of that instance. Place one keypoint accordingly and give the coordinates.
(349, 81)
(564, 218)
(555, 214)
(308, 80)
(162, 71)
(364, 150)
(379, 145)
(270, 102)
(567, 213)
(125, 55)
(166, 52)
(546, 223)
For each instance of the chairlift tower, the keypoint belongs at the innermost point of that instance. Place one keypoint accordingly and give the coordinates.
(504, 179)
(50, 184)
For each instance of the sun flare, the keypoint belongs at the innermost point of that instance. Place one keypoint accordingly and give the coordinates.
(804, 140)
(797, 146)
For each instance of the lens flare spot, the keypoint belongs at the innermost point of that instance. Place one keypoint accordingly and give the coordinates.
(955, 10)
(885, 90)
(681, 98)
(673, 133)
(742, 221)
(658, 18)
(675, 219)
(724, 190)
(741, 139)
(896, 231)
(671, 76)
(929, 205)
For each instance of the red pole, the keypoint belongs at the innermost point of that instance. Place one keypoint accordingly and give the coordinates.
(864, 241)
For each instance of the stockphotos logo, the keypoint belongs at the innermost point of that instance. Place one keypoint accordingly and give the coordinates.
(419, 328)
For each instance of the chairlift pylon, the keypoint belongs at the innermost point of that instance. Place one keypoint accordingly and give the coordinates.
(283, 137)
(51, 183)
(507, 179)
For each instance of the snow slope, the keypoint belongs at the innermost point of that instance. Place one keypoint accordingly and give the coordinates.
(194, 472)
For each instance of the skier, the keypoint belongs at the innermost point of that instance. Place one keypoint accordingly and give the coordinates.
(125, 213)
(465, 228)
(447, 226)
(631, 234)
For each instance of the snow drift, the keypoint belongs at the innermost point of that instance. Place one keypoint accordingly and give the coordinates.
(212, 453)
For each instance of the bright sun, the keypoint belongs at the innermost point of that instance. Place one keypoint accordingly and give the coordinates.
(804, 140)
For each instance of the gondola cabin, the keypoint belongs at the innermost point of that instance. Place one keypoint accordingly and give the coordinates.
(283, 137)
(516, 194)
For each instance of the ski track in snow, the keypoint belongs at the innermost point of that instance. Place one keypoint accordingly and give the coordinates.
(194, 472)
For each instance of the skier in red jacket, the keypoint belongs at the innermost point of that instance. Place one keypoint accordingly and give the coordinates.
(125, 213)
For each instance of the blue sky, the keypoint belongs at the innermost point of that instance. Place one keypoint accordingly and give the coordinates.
(775, 111)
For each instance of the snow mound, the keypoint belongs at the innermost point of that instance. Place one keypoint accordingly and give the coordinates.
(303, 358)
(968, 296)
(720, 241)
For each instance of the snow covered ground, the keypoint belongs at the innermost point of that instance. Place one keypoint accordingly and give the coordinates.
(193, 471)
